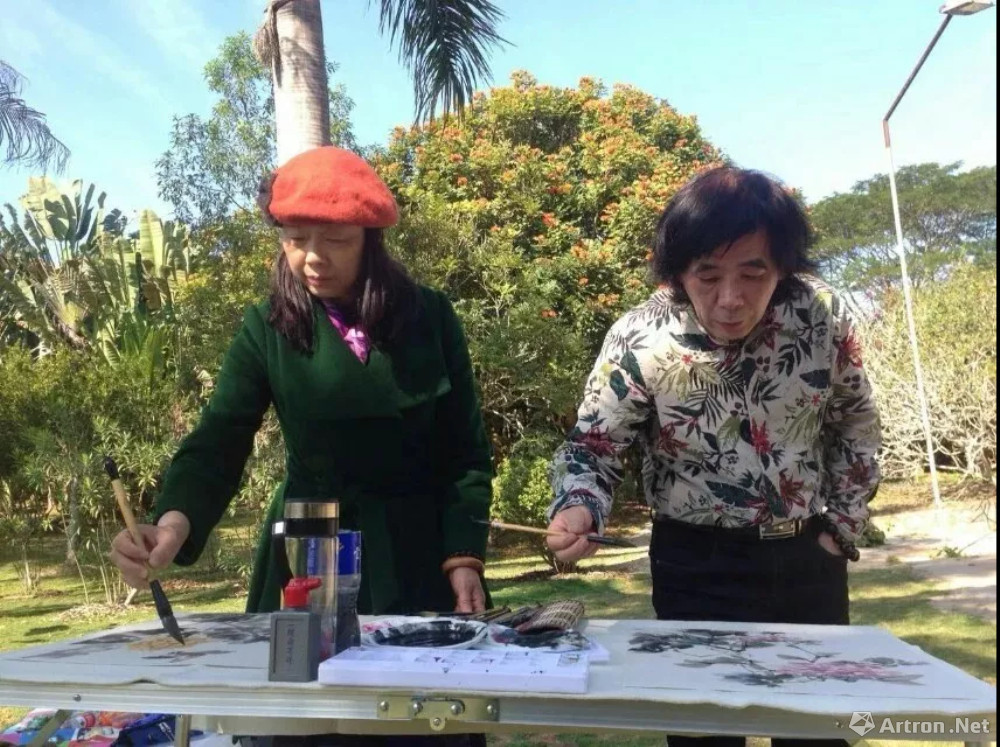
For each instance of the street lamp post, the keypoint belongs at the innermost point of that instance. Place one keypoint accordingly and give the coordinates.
(950, 10)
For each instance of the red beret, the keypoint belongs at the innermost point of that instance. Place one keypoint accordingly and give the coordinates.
(329, 185)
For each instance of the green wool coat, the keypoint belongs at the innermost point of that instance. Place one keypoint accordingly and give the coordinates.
(398, 441)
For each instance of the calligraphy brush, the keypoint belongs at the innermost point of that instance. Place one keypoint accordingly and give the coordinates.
(597, 539)
(163, 608)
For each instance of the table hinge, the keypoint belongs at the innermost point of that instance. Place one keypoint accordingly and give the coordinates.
(438, 711)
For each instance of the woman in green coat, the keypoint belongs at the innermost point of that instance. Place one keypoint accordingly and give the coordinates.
(370, 377)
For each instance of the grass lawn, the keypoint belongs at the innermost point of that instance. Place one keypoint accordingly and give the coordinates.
(892, 598)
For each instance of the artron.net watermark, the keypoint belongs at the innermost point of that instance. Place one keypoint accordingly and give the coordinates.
(864, 723)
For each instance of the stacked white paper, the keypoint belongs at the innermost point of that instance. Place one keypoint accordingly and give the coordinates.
(461, 669)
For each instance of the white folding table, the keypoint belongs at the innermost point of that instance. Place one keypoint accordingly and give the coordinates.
(662, 676)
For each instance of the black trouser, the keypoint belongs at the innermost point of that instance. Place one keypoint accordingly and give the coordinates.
(708, 573)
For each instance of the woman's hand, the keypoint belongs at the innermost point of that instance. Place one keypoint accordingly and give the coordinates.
(162, 543)
(468, 588)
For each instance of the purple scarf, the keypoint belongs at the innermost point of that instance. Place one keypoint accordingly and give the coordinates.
(355, 337)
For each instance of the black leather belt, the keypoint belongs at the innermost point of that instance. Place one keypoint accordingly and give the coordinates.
(776, 530)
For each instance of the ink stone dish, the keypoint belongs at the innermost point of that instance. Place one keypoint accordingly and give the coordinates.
(420, 632)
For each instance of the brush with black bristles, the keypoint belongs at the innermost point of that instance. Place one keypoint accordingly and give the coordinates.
(163, 608)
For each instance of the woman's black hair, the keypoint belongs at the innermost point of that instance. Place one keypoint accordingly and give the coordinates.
(718, 207)
(385, 298)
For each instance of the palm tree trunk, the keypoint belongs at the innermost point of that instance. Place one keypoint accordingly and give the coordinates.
(291, 42)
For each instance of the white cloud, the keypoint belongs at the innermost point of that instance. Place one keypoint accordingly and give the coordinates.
(178, 28)
(99, 52)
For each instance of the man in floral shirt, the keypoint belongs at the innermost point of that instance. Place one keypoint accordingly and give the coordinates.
(741, 379)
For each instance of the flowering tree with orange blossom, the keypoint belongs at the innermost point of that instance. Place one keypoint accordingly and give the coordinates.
(535, 211)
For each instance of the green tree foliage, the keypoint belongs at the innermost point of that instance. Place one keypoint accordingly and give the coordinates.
(41, 258)
(65, 411)
(521, 490)
(90, 342)
(18, 408)
(214, 165)
(529, 363)
(949, 217)
(234, 275)
(66, 280)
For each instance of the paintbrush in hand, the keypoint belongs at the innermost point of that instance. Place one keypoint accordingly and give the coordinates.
(163, 608)
(597, 539)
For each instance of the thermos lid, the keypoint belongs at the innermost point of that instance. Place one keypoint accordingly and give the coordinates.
(303, 509)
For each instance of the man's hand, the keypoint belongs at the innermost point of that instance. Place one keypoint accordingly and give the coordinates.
(468, 588)
(575, 523)
(827, 542)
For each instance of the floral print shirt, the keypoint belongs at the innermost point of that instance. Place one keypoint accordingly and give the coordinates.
(781, 425)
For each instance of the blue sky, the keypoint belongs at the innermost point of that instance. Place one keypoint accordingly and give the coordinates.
(795, 88)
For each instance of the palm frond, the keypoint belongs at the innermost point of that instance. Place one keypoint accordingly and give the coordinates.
(445, 45)
(24, 134)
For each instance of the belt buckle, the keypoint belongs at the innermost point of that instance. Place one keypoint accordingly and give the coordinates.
(780, 530)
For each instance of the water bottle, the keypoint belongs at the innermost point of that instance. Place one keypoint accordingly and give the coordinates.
(348, 585)
(308, 535)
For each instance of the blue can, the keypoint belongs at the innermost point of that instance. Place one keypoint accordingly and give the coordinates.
(348, 553)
